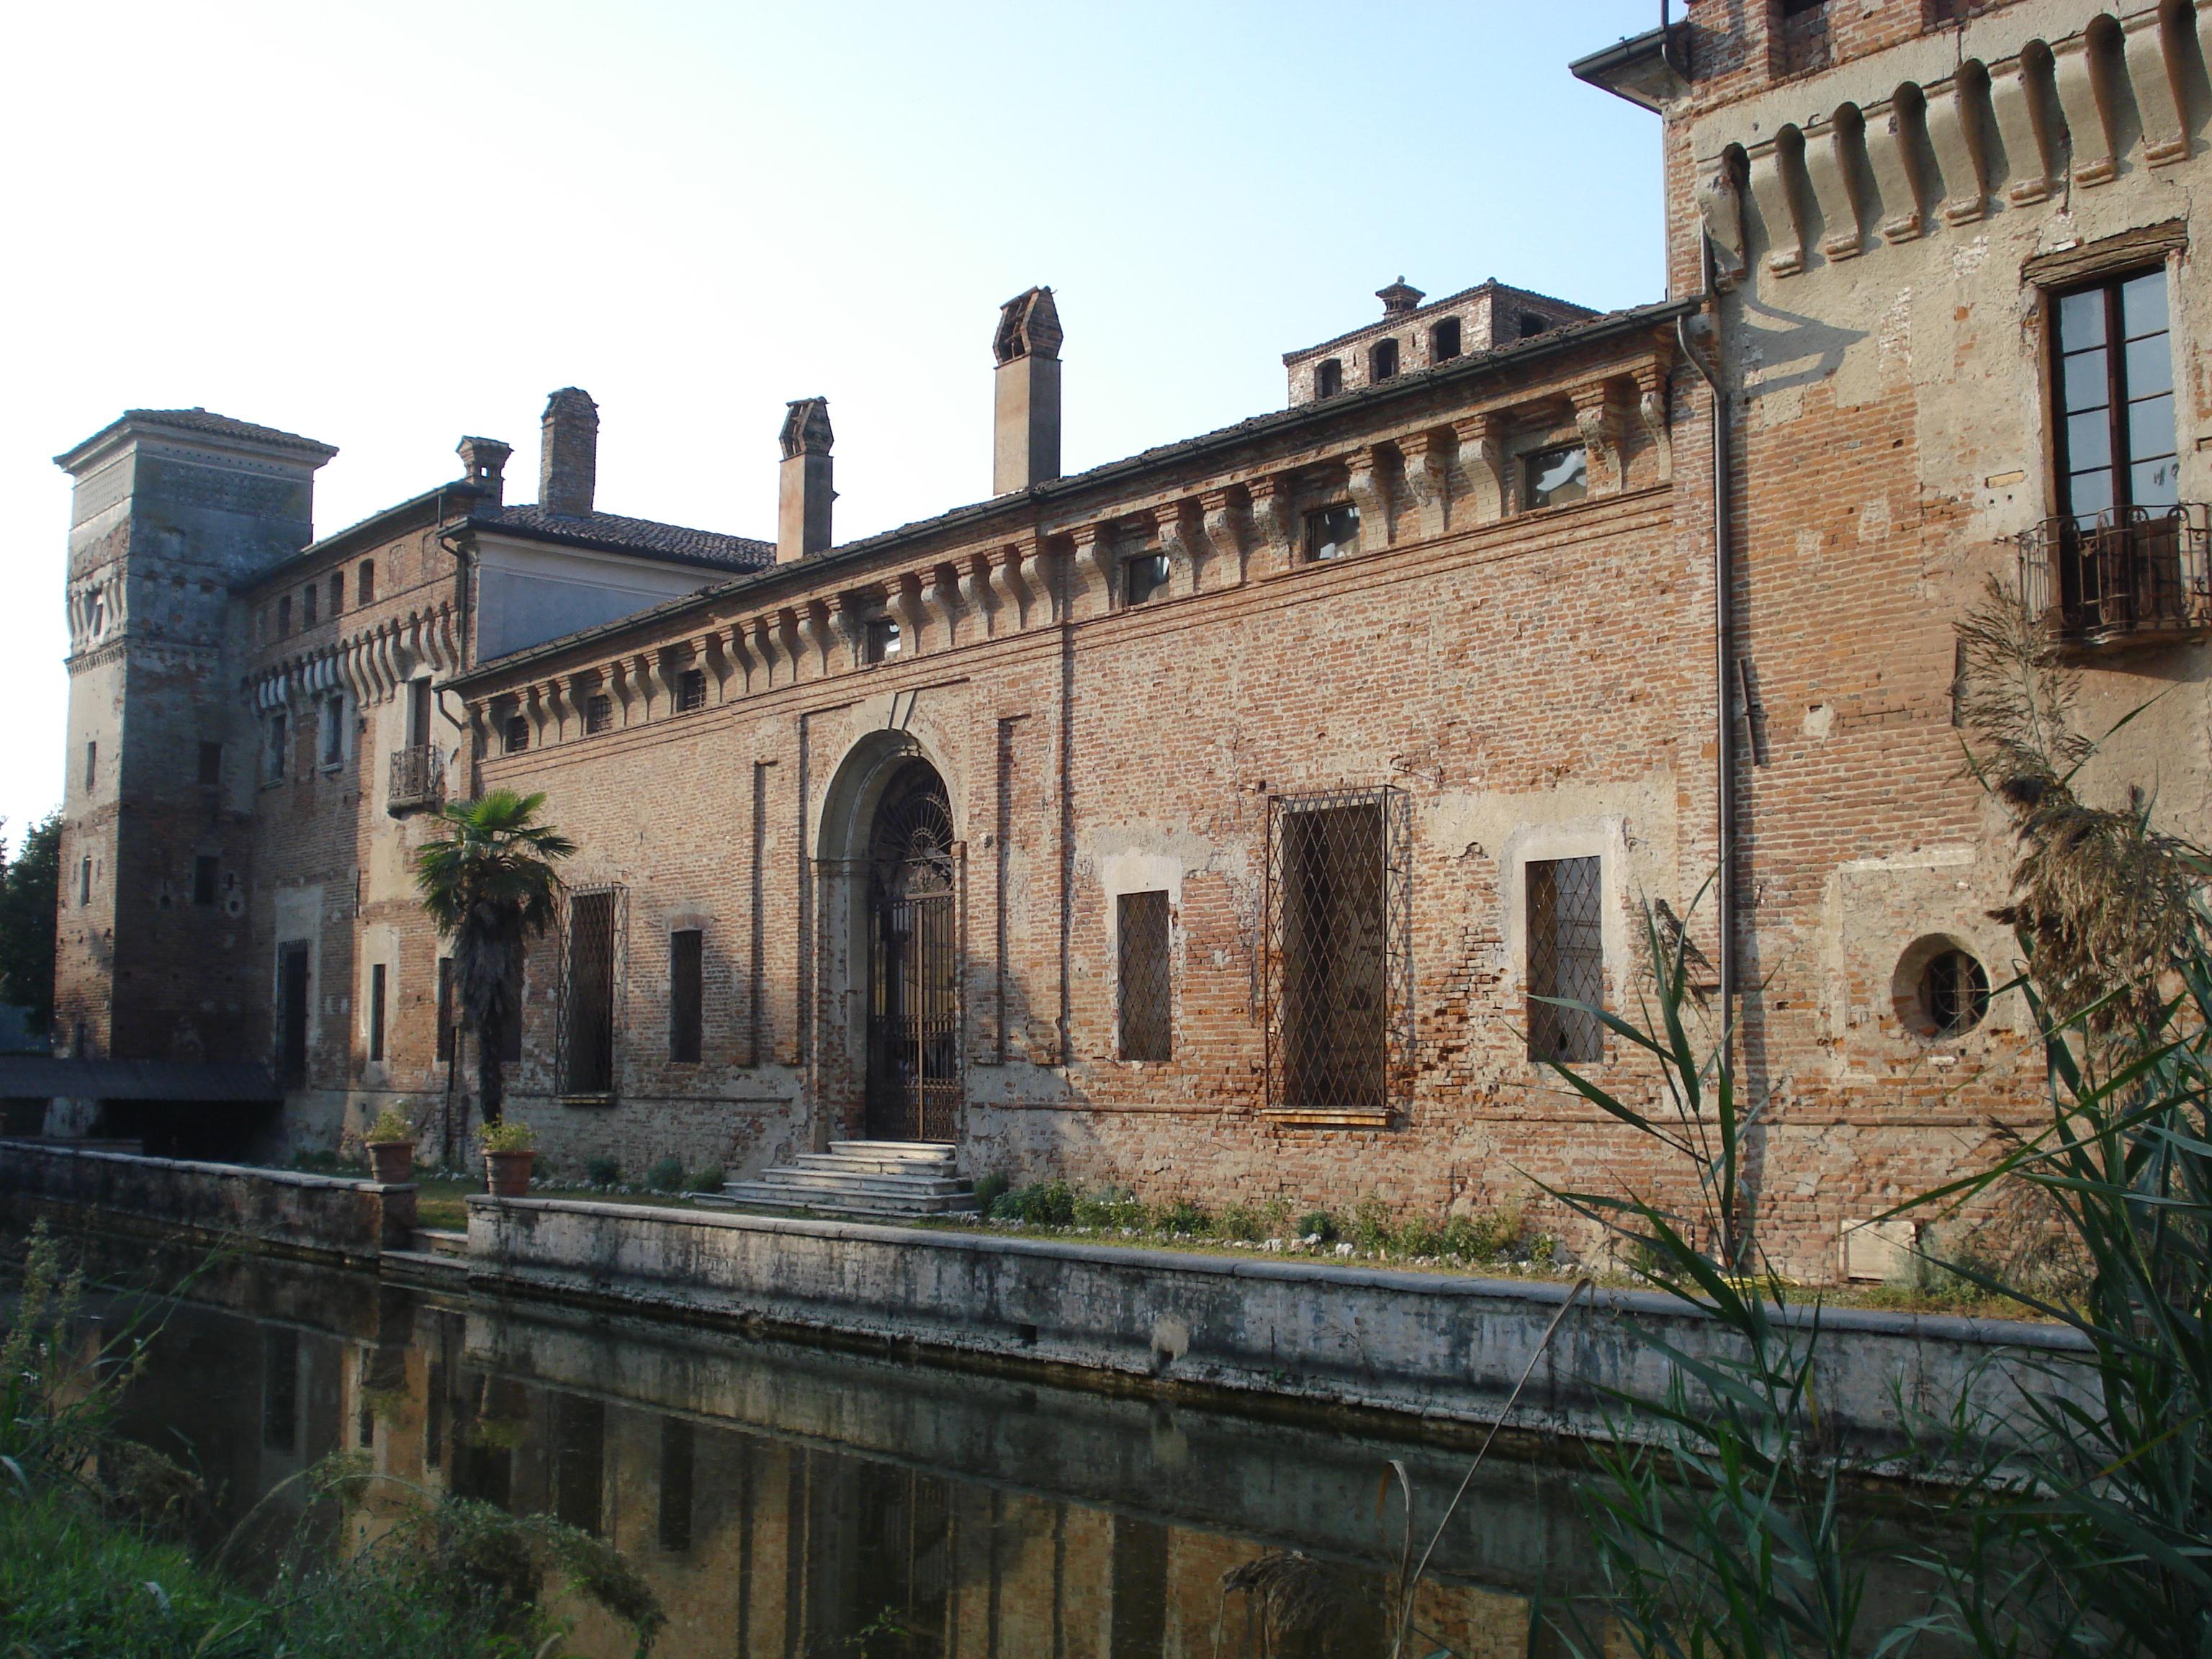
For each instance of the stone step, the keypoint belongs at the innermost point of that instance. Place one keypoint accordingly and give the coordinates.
(760, 1196)
(919, 1186)
(886, 1151)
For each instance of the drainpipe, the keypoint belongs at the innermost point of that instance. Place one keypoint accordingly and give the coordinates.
(1724, 657)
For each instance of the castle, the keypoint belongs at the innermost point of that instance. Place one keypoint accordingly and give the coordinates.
(1217, 821)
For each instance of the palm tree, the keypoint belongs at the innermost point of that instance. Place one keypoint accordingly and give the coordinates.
(490, 886)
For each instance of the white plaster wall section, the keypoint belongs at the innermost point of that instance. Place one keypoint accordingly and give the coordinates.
(528, 593)
(1874, 909)
(1136, 872)
(298, 913)
(379, 947)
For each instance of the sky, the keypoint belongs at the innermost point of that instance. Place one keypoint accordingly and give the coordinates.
(387, 225)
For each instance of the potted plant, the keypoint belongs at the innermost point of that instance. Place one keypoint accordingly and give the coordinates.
(391, 1143)
(509, 1147)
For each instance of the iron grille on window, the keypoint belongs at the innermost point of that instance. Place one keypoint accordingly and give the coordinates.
(690, 690)
(1141, 928)
(1339, 956)
(598, 713)
(1566, 959)
(515, 734)
(588, 993)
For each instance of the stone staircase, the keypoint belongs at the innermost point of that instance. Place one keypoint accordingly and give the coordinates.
(861, 1180)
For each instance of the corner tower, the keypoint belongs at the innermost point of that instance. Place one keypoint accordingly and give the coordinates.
(172, 510)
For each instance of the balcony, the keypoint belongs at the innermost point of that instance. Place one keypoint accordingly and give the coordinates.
(418, 780)
(2139, 577)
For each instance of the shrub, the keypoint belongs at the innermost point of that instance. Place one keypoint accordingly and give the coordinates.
(509, 1134)
(1048, 1204)
(1483, 1237)
(600, 1170)
(709, 1180)
(989, 1189)
(666, 1175)
(1370, 1224)
(1110, 1209)
(1318, 1223)
(1254, 1221)
(1418, 1236)
(391, 1128)
(1184, 1217)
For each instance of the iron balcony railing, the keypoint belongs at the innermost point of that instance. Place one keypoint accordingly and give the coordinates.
(418, 779)
(2136, 575)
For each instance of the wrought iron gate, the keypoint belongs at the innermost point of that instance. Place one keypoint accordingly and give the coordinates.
(914, 1004)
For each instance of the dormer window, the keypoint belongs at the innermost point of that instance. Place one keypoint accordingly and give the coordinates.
(1443, 341)
(1333, 532)
(880, 643)
(1531, 325)
(1143, 576)
(1382, 359)
(1555, 477)
(1329, 377)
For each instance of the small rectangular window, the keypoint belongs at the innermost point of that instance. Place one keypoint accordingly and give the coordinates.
(514, 735)
(1329, 377)
(84, 882)
(598, 713)
(284, 617)
(292, 1009)
(445, 1011)
(686, 994)
(690, 690)
(364, 582)
(91, 765)
(206, 876)
(334, 730)
(1566, 959)
(1333, 532)
(1143, 576)
(1555, 477)
(1443, 341)
(881, 642)
(279, 739)
(1382, 359)
(211, 763)
(376, 985)
(1141, 925)
(338, 591)
(308, 595)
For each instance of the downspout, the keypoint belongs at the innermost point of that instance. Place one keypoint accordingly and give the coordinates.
(1724, 660)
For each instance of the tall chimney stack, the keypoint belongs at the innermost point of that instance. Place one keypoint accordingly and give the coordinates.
(568, 454)
(803, 494)
(1025, 437)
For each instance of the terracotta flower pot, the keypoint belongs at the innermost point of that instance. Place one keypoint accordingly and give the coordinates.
(392, 1161)
(507, 1174)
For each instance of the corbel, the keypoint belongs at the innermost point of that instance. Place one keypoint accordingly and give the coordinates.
(742, 660)
(972, 573)
(1482, 460)
(1777, 212)
(1720, 206)
(789, 645)
(1370, 493)
(1275, 523)
(2081, 97)
(1651, 412)
(1011, 568)
(558, 697)
(2165, 122)
(1966, 192)
(906, 604)
(1597, 419)
(669, 664)
(1218, 520)
(1828, 161)
(1428, 479)
(1091, 584)
(1168, 529)
(815, 637)
(707, 651)
(762, 631)
(849, 616)
(2019, 123)
(1889, 143)
(940, 595)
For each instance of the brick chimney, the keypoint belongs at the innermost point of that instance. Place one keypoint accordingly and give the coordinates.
(1025, 436)
(483, 464)
(1399, 298)
(568, 454)
(803, 494)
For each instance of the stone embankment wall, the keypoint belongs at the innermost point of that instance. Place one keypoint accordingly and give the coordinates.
(281, 1210)
(1432, 1345)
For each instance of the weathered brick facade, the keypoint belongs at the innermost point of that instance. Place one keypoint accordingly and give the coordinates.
(1124, 678)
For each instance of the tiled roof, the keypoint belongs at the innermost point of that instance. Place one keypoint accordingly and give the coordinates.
(203, 422)
(615, 533)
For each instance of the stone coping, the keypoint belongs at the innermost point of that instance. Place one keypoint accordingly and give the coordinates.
(185, 1166)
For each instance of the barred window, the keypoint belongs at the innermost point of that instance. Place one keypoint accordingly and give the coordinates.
(690, 690)
(1339, 957)
(1141, 930)
(587, 1004)
(598, 713)
(334, 729)
(279, 740)
(364, 583)
(377, 982)
(514, 735)
(686, 994)
(1566, 958)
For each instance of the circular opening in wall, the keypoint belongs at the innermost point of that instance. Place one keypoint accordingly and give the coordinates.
(1941, 989)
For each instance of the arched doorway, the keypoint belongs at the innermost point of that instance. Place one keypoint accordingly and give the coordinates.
(914, 1010)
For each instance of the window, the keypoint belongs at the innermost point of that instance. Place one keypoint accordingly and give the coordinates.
(1143, 575)
(2115, 385)
(686, 994)
(207, 877)
(445, 1011)
(1801, 36)
(1382, 359)
(1141, 935)
(1333, 532)
(364, 583)
(334, 729)
(1555, 477)
(1329, 377)
(1531, 325)
(376, 988)
(1954, 992)
(211, 763)
(1339, 951)
(91, 765)
(1443, 341)
(278, 738)
(308, 595)
(690, 690)
(587, 1009)
(292, 1013)
(1566, 958)
(514, 735)
(418, 713)
(338, 591)
(84, 882)
(598, 713)
(880, 643)
(284, 617)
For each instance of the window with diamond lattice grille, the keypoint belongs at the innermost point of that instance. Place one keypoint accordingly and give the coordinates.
(587, 1008)
(1566, 959)
(1339, 956)
(1141, 924)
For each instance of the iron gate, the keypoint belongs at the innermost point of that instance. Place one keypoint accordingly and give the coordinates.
(914, 1004)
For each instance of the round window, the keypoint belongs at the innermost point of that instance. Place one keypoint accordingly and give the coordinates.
(1954, 992)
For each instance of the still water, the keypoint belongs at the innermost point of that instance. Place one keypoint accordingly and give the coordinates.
(782, 1499)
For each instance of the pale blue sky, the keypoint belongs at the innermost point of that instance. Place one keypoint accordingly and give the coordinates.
(385, 225)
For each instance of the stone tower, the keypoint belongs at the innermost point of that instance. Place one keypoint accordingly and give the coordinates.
(172, 510)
